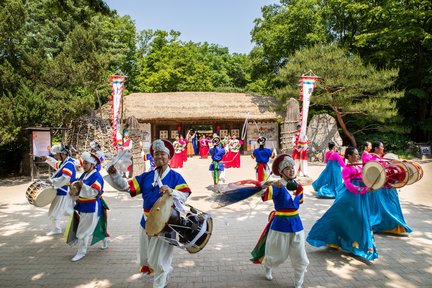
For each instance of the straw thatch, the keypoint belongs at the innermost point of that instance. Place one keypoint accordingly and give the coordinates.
(153, 107)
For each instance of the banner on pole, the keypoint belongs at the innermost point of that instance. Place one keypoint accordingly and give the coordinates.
(308, 84)
(117, 85)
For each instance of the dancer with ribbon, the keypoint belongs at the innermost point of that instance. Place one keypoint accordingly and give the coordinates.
(283, 236)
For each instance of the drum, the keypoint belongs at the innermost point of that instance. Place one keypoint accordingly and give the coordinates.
(415, 172)
(40, 193)
(390, 156)
(394, 174)
(190, 230)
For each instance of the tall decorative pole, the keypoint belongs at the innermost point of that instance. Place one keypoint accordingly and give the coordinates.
(117, 84)
(307, 85)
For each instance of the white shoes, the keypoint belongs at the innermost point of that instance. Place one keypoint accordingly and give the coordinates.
(78, 256)
(268, 275)
(105, 243)
(54, 232)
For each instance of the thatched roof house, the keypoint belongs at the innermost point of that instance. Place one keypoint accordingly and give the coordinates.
(169, 114)
(198, 107)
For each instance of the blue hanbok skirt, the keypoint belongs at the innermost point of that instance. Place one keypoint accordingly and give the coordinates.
(330, 178)
(345, 225)
(386, 212)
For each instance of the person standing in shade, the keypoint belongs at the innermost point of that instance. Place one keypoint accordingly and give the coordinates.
(64, 175)
(331, 177)
(262, 156)
(155, 255)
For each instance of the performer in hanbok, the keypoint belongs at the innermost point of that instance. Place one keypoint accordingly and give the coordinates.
(127, 145)
(386, 212)
(195, 143)
(64, 175)
(227, 157)
(96, 149)
(299, 154)
(203, 147)
(217, 167)
(366, 155)
(283, 236)
(331, 177)
(190, 147)
(177, 160)
(90, 206)
(346, 224)
(155, 255)
(184, 143)
(235, 146)
(262, 156)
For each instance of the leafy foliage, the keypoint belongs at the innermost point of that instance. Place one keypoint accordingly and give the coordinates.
(346, 84)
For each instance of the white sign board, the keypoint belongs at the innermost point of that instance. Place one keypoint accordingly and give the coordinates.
(41, 143)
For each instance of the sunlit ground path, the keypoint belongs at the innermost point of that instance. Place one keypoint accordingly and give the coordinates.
(28, 258)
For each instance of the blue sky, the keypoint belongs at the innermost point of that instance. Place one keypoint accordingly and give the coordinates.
(227, 23)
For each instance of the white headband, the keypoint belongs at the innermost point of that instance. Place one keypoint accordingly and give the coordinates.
(159, 145)
(286, 162)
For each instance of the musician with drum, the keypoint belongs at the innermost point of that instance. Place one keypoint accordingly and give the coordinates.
(386, 212)
(366, 154)
(63, 203)
(90, 206)
(285, 236)
(262, 156)
(155, 255)
(346, 224)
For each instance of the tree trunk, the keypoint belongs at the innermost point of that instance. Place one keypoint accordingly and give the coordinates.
(341, 122)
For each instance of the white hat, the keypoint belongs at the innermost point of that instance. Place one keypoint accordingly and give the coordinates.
(162, 145)
(59, 148)
(90, 158)
(56, 149)
(287, 161)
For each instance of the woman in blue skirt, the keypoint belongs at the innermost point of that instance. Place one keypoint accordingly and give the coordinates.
(346, 223)
(386, 212)
(331, 177)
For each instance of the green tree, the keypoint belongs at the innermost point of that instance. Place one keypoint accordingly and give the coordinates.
(283, 29)
(350, 88)
(168, 64)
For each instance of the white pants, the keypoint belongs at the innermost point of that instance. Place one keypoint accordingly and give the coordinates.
(86, 227)
(301, 167)
(280, 246)
(61, 206)
(158, 255)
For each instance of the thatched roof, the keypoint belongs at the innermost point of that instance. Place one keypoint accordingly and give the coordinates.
(199, 106)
